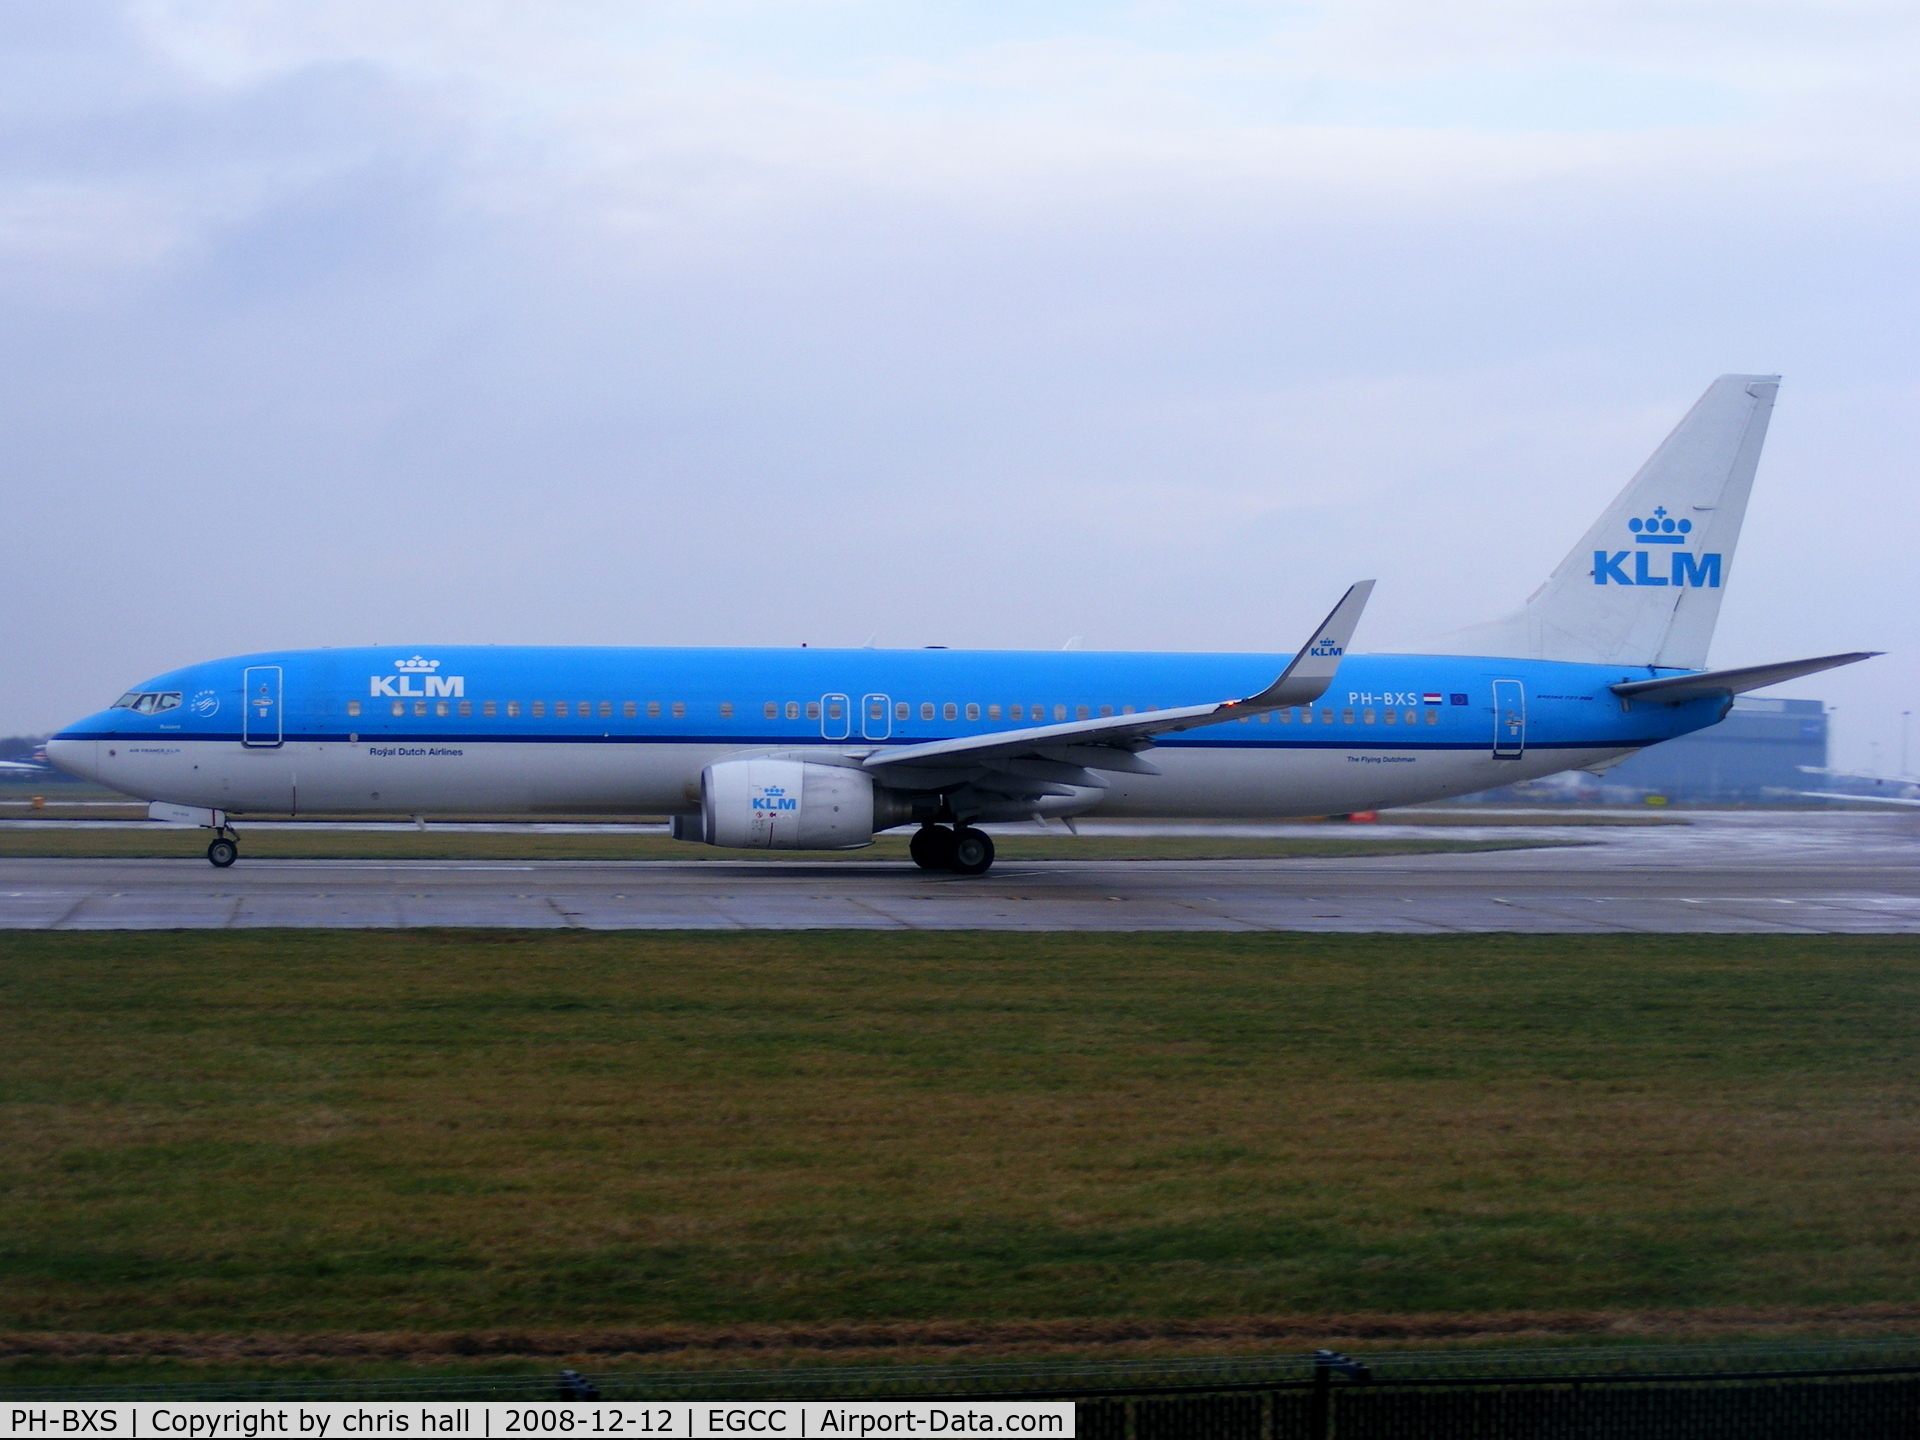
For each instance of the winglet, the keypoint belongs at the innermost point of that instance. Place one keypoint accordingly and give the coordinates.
(1312, 671)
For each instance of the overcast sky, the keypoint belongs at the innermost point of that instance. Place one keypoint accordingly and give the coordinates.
(980, 324)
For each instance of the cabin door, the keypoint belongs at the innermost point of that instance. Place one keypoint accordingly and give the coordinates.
(1509, 719)
(260, 725)
(836, 720)
(876, 721)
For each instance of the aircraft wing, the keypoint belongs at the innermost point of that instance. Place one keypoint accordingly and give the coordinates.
(1857, 799)
(1051, 759)
(1678, 689)
(34, 766)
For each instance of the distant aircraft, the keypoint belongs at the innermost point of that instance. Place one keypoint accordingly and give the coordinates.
(1899, 791)
(35, 764)
(812, 749)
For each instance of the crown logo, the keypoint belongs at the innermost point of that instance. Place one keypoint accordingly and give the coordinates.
(1660, 528)
(416, 665)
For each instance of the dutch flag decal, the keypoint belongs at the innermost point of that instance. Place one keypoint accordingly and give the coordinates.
(1432, 697)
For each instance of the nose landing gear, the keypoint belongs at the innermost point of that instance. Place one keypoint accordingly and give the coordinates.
(963, 849)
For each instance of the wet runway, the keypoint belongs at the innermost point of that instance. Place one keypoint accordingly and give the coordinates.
(1758, 872)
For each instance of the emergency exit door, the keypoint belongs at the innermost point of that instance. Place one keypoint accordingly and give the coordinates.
(1509, 719)
(260, 706)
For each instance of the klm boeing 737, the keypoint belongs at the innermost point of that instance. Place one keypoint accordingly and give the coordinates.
(821, 749)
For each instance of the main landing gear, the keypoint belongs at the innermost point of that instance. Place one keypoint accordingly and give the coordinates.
(223, 852)
(963, 849)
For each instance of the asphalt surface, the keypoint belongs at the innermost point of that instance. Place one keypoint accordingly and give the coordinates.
(1753, 872)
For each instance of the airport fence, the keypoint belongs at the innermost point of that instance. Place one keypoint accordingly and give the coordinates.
(1862, 1389)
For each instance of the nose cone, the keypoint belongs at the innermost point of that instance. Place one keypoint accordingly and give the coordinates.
(76, 757)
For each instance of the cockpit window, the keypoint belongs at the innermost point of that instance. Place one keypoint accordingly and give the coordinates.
(150, 702)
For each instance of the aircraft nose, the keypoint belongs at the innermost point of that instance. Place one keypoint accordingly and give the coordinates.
(76, 757)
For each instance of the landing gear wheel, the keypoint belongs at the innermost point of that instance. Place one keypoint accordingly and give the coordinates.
(932, 848)
(972, 852)
(222, 853)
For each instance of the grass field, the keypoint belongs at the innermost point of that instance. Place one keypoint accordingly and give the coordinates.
(165, 841)
(281, 1132)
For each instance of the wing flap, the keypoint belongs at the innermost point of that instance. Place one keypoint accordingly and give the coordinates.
(1110, 743)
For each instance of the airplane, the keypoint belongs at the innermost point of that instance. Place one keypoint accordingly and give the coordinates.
(34, 764)
(822, 749)
(1908, 788)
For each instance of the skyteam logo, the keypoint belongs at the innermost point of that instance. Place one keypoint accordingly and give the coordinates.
(400, 685)
(206, 704)
(775, 798)
(1683, 568)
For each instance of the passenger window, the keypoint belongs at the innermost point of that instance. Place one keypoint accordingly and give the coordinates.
(949, 711)
(1126, 709)
(926, 710)
(1326, 717)
(1346, 717)
(1080, 712)
(813, 710)
(420, 707)
(440, 708)
(793, 709)
(1059, 712)
(1016, 712)
(1433, 717)
(902, 710)
(993, 712)
(466, 707)
(1266, 717)
(1392, 717)
(539, 708)
(490, 709)
(833, 709)
(585, 711)
(629, 709)
(726, 709)
(606, 709)
(513, 709)
(1106, 712)
(1366, 717)
(399, 707)
(679, 708)
(353, 707)
(973, 712)
(560, 709)
(1410, 716)
(772, 709)
(653, 709)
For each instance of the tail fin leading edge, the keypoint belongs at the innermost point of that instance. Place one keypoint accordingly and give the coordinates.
(1643, 587)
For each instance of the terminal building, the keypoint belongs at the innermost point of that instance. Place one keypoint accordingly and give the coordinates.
(1753, 757)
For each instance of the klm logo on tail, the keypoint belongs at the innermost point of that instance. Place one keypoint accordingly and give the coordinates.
(1660, 528)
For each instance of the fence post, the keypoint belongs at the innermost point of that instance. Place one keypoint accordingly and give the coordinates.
(1320, 1408)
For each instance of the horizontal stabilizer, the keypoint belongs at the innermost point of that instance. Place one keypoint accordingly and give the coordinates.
(1678, 689)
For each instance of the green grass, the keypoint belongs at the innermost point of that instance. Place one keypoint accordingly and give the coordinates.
(375, 1131)
(163, 842)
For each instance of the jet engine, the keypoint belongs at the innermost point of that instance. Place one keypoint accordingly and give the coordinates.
(790, 805)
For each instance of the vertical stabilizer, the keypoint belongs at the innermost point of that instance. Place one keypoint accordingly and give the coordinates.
(1644, 586)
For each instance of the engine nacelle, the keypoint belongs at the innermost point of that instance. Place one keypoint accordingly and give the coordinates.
(790, 805)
